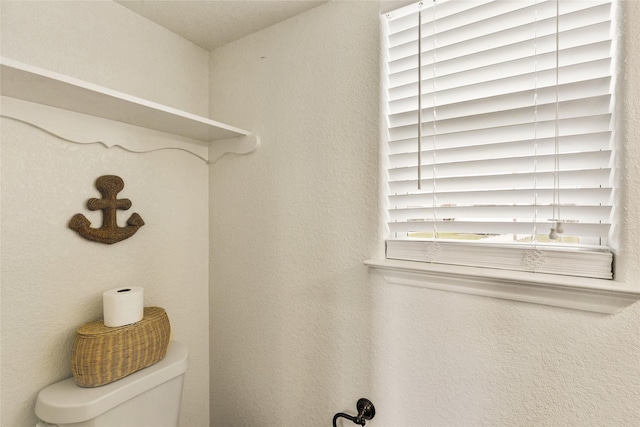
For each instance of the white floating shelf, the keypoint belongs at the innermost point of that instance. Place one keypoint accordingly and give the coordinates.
(44, 87)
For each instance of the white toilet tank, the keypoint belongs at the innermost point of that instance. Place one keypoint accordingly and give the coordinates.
(147, 398)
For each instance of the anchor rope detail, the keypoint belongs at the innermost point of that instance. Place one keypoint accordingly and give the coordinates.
(109, 186)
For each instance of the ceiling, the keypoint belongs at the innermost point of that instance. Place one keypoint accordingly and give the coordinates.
(214, 23)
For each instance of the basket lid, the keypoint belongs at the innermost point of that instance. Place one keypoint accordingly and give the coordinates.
(66, 402)
(97, 328)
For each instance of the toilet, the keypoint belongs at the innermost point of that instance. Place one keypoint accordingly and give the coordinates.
(147, 398)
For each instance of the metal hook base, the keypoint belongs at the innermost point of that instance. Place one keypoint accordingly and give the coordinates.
(366, 410)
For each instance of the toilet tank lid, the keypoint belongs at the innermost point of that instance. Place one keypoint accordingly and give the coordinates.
(66, 402)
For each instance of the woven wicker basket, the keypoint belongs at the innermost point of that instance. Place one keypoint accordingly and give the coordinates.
(102, 355)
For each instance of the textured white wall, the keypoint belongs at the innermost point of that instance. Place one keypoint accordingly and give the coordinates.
(627, 266)
(52, 280)
(104, 43)
(299, 329)
(291, 223)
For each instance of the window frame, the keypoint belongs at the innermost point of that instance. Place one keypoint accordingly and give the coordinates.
(589, 294)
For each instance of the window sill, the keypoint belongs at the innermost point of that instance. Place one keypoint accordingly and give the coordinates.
(595, 295)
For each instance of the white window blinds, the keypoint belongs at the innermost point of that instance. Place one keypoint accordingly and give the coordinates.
(516, 121)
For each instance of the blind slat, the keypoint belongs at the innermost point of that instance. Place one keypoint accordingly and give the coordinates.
(567, 143)
(587, 178)
(542, 159)
(403, 112)
(546, 129)
(570, 196)
(496, 227)
(474, 168)
(452, 119)
(510, 213)
(472, 86)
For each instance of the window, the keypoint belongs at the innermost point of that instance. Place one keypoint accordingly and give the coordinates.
(506, 160)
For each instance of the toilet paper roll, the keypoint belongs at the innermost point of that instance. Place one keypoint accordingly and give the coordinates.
(123, 306)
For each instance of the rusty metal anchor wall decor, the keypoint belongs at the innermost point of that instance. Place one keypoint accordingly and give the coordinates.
(109, 186)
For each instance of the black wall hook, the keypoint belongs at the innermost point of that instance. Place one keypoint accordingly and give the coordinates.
(366, 411)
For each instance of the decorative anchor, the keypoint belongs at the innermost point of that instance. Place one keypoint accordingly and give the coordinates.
(109, 186)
